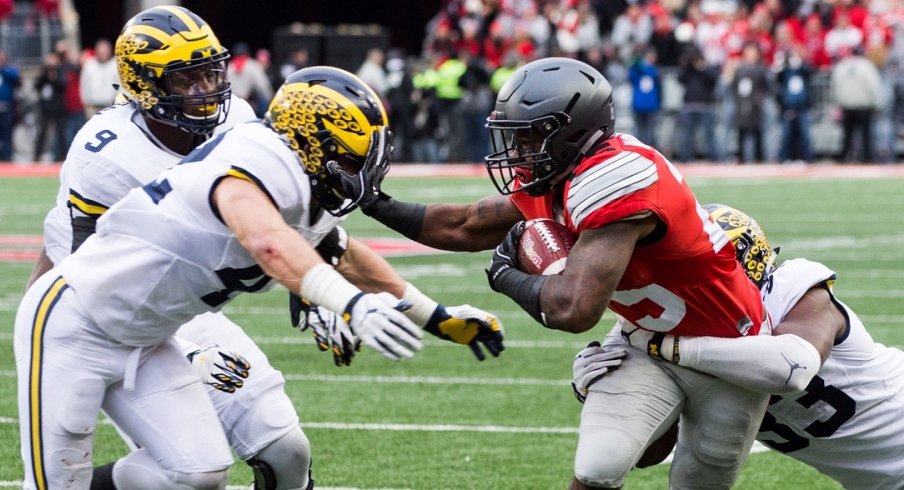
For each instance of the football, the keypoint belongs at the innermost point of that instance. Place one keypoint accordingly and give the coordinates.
(544, 246)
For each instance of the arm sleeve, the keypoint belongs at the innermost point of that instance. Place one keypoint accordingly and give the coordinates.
(780, 364)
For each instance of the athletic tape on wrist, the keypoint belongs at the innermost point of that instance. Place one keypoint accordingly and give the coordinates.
(323, 286)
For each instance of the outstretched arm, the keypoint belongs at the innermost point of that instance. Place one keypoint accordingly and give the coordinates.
(461, 324)
(456, 227)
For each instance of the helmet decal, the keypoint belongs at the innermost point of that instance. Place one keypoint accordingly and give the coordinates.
(327, 116)
(752, 248)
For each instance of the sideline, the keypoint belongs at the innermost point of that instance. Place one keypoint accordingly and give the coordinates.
(820, 170)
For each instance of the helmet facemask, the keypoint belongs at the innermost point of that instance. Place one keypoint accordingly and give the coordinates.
(172, 67)
(521, 159)
(194, 97)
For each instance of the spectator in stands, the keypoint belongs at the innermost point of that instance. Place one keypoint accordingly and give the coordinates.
(425, 126)
(477, 100)
(9, 85)
(646, 101)
(298, 59)
(668, 49)
(814, 39)
(843, 37)
(50, 87)
(373, 73)
(633, 28)
(698, 110)
(99, 78)
(72, 100)
(400, 108)
(794, 89)
(750, 87)
(248, 79)
(857, 89)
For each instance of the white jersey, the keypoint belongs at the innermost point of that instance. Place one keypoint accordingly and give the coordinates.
(189, 261)
(112, 153)
(849, 422)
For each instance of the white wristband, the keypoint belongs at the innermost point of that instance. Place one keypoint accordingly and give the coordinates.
(422, 307)
(323, 286)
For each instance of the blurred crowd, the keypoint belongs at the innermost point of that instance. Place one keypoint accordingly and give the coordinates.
(716, 80)
(744, 76)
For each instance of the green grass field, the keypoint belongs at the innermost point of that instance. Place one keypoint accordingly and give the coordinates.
(445, 421)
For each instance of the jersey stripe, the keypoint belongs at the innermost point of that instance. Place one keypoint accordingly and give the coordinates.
(85, 205)
(239, 173)
(46, 304)
(608, 181)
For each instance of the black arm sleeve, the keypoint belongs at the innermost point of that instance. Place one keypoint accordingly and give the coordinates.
(82, 228)
(524, 289)
(333, 246)
(404, 217)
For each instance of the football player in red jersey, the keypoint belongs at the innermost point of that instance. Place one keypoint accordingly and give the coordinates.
(646, 249)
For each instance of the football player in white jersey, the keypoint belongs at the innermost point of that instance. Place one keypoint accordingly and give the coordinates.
(124, 146)
(846, 417)
(166, 114)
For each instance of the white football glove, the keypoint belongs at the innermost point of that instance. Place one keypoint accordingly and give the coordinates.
(223, 370)
(332, 333)
(655, 344)
(591, 364)
(377, 319)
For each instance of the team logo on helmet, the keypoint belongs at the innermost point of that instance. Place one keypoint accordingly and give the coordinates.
(751, 245)
(327, 116)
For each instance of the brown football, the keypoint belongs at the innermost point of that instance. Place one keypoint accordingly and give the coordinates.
(544, 246)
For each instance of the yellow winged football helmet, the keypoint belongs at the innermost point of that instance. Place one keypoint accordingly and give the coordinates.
(750, 242)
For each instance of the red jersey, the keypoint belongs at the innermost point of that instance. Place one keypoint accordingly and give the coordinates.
(686, 283)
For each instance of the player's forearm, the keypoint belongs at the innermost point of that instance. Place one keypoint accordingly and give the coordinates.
(455, 227)
(762, 363)
(369, 271)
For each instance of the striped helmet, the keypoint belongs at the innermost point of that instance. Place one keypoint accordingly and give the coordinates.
(751, 245)
(327, 116)
(172, 67)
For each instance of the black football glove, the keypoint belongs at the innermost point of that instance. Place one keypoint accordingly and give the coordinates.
(504, 257)
(363, 188)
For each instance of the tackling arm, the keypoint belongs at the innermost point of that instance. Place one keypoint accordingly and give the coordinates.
(784, 362)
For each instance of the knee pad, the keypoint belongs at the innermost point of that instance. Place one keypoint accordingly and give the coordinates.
(214, 480)
(139, 470)
(284, 464)
(721, 441)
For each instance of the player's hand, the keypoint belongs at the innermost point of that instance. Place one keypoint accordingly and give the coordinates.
(504, 257)
(298, 310)
(224, 370)
(591, 364)
(332, 333)
(377, 319)
(468, 326)
(364, 186)
(655, 344)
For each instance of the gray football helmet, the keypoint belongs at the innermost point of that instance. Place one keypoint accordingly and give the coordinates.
(548, 115)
